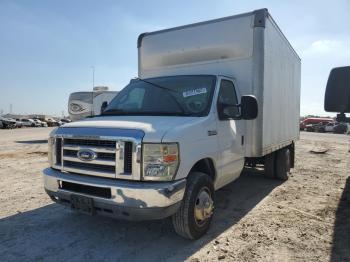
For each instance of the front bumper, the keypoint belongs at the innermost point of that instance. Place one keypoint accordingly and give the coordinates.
(129, 200)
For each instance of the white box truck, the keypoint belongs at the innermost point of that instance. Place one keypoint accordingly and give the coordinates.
(210, 98)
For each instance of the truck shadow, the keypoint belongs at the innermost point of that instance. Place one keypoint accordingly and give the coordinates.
(54, 233)
(42, 141)
(341, 235)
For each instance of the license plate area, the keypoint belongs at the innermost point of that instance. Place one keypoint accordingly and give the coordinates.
(82, 204)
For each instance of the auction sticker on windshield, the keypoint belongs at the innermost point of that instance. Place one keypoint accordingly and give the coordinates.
(194, 92)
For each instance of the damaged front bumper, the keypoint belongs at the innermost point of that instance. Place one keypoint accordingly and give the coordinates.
(130, 200)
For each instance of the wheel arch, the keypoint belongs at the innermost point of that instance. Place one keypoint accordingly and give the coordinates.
(206, 166)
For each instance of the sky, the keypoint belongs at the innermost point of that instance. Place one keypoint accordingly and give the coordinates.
(48, 47)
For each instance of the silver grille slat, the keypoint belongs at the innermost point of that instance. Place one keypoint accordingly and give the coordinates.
(96, 161)
(96, 149)
(89, 172)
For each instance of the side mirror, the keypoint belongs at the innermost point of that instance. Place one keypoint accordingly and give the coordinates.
(104, 106)
(337, 96)
(249, 107)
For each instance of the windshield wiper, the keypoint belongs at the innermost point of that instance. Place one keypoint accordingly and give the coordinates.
(113, 111)
(168, 89)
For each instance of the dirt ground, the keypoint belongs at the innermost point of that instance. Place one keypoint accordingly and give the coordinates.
(306, 218)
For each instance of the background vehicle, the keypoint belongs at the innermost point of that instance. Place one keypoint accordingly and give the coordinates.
(83, 104)
(311, 121)
(323, 127)
(330, 127)
(310, 127)
(29, 122)
(211, 97)
(65, 120)
(38, 122)
(19, 123)
(7, 123)
(340, 128)
(15, 124)
(51, 122)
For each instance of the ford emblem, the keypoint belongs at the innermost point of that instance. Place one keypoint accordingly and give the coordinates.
(86, 155)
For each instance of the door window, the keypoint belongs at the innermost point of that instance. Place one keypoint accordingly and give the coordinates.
(227, 101)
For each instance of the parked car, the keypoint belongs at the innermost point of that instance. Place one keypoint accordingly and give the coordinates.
(341, 128)
(40, 123)
(310, 127)
(7, 123)
(65, 120)
(14, 122)
(51, 122)
(330, 126)
(27, 122)
(19, 123)
(325, 127)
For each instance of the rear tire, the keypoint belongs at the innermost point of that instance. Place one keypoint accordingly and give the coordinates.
(270, 165)
(193, 218)
(283, 163)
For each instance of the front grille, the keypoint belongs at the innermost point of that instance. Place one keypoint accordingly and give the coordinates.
(88, 166)
(88, 142)
(100, 155)
(109, 158)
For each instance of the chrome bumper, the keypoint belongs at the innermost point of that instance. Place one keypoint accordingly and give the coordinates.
(129, 199)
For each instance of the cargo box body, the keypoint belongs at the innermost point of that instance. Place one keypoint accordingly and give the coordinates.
(249, 48)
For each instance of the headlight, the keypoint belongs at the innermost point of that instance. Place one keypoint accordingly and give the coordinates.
(160, 161)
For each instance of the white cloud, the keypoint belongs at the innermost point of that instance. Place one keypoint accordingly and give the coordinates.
(327, 47)
(323, 46)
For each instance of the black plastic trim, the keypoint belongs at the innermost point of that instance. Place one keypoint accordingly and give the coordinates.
(260, 16)
(139, 39)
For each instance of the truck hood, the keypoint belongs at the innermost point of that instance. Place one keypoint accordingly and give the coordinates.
(154, 127)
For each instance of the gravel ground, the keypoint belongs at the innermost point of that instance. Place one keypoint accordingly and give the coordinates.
(306, 218)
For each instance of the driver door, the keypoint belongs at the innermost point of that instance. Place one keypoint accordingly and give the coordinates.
(230, 134)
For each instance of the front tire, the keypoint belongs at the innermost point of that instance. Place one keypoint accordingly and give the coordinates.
(193, 218)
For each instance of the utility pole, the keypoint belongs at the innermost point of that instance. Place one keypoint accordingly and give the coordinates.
(10, 108)
(93, 85)
(93, 76)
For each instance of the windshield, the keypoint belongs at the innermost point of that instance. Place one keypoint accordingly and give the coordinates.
(173, 95)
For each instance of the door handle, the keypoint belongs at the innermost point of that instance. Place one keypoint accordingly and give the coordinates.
(212, 132)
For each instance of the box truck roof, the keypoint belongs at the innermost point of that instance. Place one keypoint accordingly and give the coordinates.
(257, 19)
